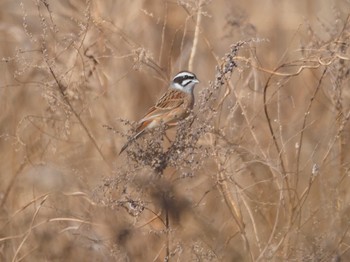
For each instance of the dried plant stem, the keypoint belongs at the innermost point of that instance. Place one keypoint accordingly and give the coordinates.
(251, 216)
(274, 229)
(196, 36)
(12, 182)
(163, 31)
(231, 203)
(167, 228)
(61, 89)
(335, 139)
(318, 87)
(29, 230)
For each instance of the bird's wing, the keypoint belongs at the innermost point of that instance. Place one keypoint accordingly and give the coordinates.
(169, 101)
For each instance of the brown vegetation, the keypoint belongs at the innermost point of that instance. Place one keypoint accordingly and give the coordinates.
(258, 172)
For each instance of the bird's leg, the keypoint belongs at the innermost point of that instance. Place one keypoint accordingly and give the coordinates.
(166, 127)
(168, 138)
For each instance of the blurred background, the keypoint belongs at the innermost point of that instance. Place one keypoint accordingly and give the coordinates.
(265, 170)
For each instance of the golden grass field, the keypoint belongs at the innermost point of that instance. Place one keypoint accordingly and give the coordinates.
(258, 172)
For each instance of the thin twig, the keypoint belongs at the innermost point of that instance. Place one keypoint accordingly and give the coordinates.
(196, 36)
(61, 89)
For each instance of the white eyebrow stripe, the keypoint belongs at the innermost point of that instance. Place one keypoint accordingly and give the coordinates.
(182, 74)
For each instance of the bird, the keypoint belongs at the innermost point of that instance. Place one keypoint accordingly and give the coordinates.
(174, 105)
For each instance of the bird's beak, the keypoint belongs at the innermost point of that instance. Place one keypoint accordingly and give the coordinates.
(196, 81)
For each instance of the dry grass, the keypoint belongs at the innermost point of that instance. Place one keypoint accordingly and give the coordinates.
(258, 172)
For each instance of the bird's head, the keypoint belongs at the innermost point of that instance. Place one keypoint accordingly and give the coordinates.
(184, 81)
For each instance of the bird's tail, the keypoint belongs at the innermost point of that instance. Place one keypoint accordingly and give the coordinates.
(131, 140)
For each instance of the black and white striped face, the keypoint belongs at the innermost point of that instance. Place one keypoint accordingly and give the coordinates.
(185, 81)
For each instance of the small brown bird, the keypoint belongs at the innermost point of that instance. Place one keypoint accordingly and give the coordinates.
(173, 106)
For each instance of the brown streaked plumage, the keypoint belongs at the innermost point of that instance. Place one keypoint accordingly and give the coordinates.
(172, 107)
